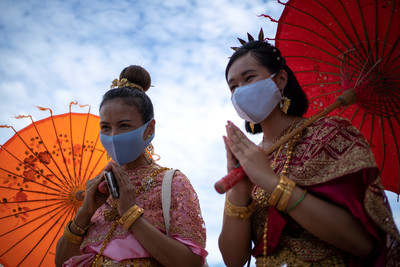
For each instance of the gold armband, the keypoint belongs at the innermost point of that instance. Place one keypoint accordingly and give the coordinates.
(238, 212)
(277, 193)
(71, 237)
(287, 192)
(130, 216)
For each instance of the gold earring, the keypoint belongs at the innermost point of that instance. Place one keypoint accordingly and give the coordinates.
(251, 126)
(285, 104)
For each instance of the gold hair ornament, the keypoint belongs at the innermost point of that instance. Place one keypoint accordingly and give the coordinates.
(125, 83)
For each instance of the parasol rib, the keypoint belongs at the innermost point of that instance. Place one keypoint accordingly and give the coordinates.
(387, 34)
(352, 26)
(26, 256)
(72, 145)
(339, 25)
(54, 239)
(30, 180)
(305, 29)
(318, 20)
(17, 175)
(83, 144)
(364, 115)
(318, 72)
(30, 166)
(33, 200)
(314, 46)
(30, 191)
(43, 143)
(322, 95)
(391, 63)
(376, 29)
(98, 161)
(61, 150)
(29, 211)
(372, 128)
(363, 24)
(315, 59)
(397, 152)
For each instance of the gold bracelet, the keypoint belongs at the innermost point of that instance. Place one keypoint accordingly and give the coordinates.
(71, 237)
(238, 212)
(277, 193)
(287, 192)
(82, 230)
(130, 216)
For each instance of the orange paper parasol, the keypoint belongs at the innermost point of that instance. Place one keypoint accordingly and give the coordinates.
(43, 171)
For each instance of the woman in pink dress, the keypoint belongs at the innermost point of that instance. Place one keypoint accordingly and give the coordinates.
(130, 230)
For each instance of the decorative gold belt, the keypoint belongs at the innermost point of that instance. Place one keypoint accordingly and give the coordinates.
(138, 262)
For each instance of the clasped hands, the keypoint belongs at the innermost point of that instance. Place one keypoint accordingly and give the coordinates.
(251, 157)
(94, 199)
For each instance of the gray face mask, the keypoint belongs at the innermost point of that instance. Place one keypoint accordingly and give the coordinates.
(255, 101)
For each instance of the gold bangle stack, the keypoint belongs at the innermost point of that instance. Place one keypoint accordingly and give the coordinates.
(287, 192)
(71, 237)
(277, 193)
(238, 212)
(82, 230)
(130, 216)
(281, 195)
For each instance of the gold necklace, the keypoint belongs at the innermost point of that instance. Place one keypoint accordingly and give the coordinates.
(280, 148)
(105, 242)
(289, 152)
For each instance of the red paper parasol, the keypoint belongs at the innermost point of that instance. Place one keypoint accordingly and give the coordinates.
(43, 171)
(339, 49)
(333, 45)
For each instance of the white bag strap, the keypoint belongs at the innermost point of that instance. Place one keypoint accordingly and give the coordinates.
(166, 200)
(166, 197)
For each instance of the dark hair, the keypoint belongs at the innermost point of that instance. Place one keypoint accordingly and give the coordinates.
(270, 57)
(133, 96)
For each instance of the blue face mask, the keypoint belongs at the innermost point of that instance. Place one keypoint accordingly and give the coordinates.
(255, 101)
(125, 148)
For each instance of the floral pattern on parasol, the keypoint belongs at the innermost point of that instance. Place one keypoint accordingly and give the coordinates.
(43, 171)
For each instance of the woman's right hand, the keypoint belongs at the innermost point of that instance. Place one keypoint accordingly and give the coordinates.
(243, 188)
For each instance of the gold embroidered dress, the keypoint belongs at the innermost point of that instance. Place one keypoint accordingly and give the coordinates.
(332, 161)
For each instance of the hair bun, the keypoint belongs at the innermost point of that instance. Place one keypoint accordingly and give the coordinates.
(135, 76)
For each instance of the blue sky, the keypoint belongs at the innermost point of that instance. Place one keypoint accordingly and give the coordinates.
(54, 52)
